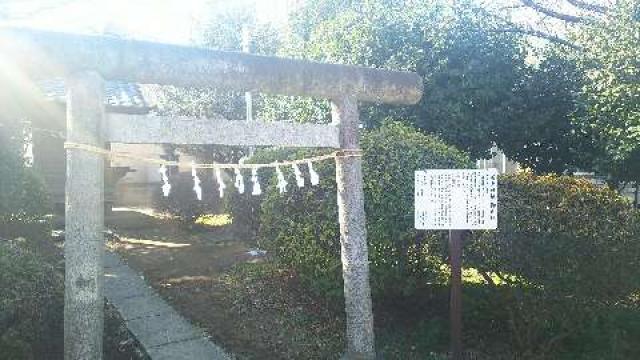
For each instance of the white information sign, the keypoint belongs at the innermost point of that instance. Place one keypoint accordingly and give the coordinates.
(456, 199)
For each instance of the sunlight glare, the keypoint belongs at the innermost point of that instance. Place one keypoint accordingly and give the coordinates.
(169, 21)
(19, 93)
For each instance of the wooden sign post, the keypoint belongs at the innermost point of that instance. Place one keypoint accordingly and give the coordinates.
(458, 201)
(455, 301)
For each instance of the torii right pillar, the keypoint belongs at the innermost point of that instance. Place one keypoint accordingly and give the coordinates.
(353, 233)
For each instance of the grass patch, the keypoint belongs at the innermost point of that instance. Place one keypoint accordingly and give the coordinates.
(214, 220)
(302, 325)
(275, 306)
(286, 319)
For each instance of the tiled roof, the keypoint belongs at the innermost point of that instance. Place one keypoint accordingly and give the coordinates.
(119, 96)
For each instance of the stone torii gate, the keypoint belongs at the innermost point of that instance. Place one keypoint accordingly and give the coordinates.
(85, 61)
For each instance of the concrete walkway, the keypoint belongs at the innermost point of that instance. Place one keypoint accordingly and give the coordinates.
(163, 332)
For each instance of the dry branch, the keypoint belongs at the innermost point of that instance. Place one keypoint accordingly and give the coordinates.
(552, 13)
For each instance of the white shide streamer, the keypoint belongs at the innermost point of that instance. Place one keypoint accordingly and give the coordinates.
(196, 181)
(257, 190)
(239, 181)
(221, 185)
(166, 187)
(282, 182)
(299, 177)
(313, 175)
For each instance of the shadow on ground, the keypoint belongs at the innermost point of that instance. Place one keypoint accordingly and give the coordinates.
(189, 268)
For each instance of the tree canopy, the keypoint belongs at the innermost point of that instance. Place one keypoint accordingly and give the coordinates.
(610, 96)
(566, 104)
(469, 72)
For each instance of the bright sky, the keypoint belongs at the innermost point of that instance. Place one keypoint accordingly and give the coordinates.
(172, 21)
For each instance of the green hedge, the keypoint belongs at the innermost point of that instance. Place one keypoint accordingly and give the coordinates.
(301, 226)
(22, 194)
(565, 257)
(564, 263)
(31, 295)
(31, 304)
(563, 266)
(23, 198)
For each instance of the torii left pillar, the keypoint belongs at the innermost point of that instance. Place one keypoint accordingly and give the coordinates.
(84, 220)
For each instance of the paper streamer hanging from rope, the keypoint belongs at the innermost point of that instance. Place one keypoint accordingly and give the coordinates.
(282, 182)
(239, 181)
(196, 182)
(298, 174)
(257, 190)
(221, 185)
(166, 187)
(314, 178)
(313, 175)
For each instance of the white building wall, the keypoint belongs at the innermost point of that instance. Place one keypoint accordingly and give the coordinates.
(498, 161)
(142, 173)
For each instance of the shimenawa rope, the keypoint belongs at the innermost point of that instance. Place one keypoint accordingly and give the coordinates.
(112, 154)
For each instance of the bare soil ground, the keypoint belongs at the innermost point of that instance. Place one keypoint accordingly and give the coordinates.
(202, 274)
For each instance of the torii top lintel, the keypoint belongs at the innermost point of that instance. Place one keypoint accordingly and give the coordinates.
(43, 54)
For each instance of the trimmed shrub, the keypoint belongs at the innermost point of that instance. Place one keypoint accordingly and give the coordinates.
(563, 266)
(31, 304)
(22, 195)
(301, 227)
(23, 198)
(567, 255)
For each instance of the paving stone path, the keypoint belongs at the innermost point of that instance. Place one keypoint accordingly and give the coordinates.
(163, 332)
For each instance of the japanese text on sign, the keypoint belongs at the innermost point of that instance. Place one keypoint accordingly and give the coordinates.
(456, 199)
